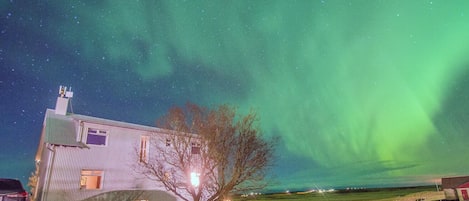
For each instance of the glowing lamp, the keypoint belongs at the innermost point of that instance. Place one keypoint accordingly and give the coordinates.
(195, 179)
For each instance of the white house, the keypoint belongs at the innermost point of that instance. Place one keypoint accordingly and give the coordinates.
(463, 191)
(456, 188)
(86, 158)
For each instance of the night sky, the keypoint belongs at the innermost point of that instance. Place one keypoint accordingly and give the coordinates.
(362, 93)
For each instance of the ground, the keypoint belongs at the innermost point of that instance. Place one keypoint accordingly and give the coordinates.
(392, 194)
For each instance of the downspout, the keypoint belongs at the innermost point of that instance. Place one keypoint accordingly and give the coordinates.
(50, 164)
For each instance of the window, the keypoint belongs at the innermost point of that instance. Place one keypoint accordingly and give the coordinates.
(168, 142)
(195, 148)
(167, 176)
(96, 137)
(91, 179)
(144, 149)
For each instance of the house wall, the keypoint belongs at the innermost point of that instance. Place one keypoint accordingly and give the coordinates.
(45, 158)
(450, 194)
(463, 194)
(450, 184)
(116, 160)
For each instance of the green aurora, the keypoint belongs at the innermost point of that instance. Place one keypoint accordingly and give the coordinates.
(361, 92)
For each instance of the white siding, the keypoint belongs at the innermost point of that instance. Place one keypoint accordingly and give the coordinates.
(44, 158)
(115, 160)
(463, 194)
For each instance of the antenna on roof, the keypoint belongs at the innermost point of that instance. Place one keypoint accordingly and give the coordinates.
(64, 93)
(63, 99)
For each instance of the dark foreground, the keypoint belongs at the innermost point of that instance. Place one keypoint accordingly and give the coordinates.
(388, 194)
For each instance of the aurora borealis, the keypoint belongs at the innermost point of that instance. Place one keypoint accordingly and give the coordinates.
(361, 92)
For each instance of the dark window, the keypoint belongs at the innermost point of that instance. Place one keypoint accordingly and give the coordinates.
(168, 142)
(195, 148)
(96, 137)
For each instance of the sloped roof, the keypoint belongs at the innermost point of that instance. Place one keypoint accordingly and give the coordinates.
(116, 123)
(453, 182)
(62, 129)
(465, 185)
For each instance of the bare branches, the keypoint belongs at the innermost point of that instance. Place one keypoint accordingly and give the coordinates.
(226, 152)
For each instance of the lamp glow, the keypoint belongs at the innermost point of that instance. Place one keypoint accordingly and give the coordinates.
(195, 179)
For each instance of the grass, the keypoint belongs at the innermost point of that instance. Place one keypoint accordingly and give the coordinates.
(410, 193)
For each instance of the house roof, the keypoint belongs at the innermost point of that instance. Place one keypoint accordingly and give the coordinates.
(116, 123)
(453, 182)
(62, 129)
(465, 185)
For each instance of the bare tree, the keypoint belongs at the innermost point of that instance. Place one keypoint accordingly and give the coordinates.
(207, 154)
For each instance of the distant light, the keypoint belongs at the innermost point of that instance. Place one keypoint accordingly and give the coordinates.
(195, 181)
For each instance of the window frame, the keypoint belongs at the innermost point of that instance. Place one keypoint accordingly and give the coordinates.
(97, 132)
(144, 149)
(195, 148)
(168, 142)
(86, 173)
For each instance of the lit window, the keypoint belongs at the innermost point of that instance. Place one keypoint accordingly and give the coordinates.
(144, 149)
(91, 179)
(167, 176)
(96, 137)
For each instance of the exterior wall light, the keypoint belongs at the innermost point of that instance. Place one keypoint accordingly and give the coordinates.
(195, 179)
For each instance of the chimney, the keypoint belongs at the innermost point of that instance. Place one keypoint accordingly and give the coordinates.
(62, 101)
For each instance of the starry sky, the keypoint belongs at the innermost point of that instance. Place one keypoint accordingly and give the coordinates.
(362, 92)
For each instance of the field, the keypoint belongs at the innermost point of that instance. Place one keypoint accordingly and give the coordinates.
(388, 194)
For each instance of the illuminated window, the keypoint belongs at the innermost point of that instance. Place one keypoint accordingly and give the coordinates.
(96, 137)
(144, 149)
(91, 179)
(167, 176)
